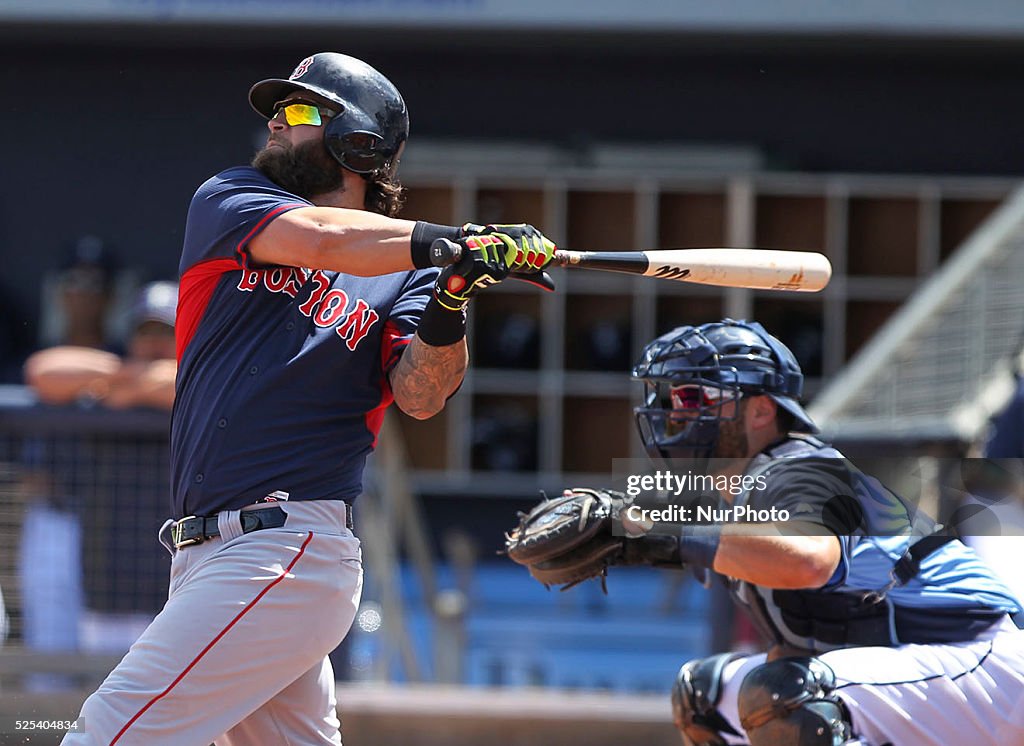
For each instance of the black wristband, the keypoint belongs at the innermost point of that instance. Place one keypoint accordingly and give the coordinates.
(440, 326)
(424, 234)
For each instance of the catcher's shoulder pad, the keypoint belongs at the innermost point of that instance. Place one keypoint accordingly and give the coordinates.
(558, 525)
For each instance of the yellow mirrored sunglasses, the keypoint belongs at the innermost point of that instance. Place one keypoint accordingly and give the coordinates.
(302, 112)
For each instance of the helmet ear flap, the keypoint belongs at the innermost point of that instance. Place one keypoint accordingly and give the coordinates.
(360, 151)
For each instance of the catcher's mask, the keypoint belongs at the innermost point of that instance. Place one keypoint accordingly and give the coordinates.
(695, 376)
(368, 134)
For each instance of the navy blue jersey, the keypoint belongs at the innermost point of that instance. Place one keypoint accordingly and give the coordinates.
(282, 371)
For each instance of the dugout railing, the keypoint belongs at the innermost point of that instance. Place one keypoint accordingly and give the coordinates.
(83, 491)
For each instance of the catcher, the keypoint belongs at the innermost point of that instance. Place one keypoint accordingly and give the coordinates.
(881, 628)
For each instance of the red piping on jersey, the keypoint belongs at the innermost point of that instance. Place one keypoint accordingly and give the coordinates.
(215, 640)
(199, 282)
(194, 293)
(393, 342)
(244, 260)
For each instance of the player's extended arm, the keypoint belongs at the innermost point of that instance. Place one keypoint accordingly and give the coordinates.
(363, 243)
(355, 242)
(781, 561)
(790, 555)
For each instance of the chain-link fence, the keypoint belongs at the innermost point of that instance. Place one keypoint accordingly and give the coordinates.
(82, 495)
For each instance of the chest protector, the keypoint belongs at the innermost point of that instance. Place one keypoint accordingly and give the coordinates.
(884, 554)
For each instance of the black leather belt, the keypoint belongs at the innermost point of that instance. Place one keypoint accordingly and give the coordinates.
(197, 529)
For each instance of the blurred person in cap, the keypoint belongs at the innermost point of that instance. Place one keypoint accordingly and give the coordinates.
(143, 377)
(85, 283)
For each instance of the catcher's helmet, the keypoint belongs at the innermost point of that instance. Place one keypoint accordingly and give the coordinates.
(370, 132)
(692, 373)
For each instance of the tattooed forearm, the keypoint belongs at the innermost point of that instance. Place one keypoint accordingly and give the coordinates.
(426, 376)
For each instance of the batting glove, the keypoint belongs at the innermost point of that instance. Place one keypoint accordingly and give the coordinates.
(528, 250)
(483, 263)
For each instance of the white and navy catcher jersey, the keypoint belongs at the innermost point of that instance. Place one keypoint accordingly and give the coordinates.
(879, 593)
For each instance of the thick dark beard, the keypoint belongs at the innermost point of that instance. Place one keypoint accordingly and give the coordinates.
(305, 170)
(732, 440)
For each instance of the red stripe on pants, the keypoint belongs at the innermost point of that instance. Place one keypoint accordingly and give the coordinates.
(215, 640)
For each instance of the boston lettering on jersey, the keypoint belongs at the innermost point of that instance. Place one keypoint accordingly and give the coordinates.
(254, 340)
(326, 307)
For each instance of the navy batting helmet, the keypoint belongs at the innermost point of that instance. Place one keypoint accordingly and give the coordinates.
(369, 133)
(692, 373)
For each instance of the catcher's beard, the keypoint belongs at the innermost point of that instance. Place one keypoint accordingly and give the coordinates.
(732, 440)
(305, 170)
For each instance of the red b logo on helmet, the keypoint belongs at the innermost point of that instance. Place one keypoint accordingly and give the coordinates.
(301, 69)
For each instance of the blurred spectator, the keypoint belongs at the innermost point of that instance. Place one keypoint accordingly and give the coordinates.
(144, 377)
(78, 299)
(50, 555)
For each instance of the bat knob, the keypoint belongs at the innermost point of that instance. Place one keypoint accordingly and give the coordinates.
(444, 252)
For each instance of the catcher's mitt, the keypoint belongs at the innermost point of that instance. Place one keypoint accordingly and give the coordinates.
(568, 539)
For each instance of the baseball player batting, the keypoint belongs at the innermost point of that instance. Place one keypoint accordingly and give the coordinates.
(882, 630)
(305, 309)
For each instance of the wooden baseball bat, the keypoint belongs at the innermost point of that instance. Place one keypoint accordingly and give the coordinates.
(759, 269)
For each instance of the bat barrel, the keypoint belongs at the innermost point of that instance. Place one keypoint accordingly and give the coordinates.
(757, 269)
